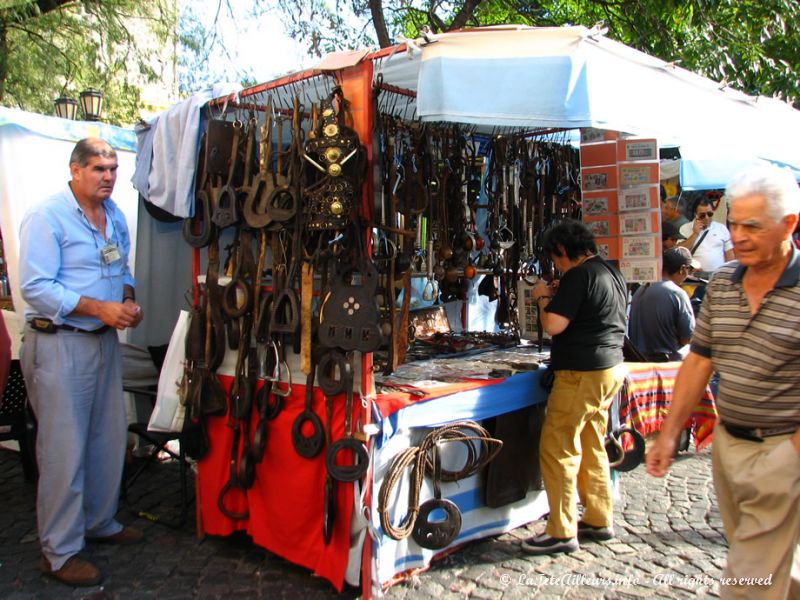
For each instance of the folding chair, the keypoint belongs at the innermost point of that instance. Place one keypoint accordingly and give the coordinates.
(160, 443)
(17, 416)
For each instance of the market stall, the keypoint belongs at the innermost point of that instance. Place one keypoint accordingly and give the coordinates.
(329, 204)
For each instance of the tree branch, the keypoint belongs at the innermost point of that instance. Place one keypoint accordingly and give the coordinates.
(464, 14)
(376, 10)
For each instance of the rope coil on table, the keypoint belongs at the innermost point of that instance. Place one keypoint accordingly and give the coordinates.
(419, 458)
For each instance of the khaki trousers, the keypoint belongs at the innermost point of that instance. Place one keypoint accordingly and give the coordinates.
(758, 488)
(572, 449)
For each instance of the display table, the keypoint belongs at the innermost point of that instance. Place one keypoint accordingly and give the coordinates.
(285, 504)
(405, 427)
(646, 396)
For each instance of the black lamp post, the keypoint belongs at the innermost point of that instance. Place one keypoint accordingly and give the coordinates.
(66, 107)
(92, 104)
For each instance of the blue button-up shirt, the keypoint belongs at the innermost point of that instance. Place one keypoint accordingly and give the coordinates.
(60, 259)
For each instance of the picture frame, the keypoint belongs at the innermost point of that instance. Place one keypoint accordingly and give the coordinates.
(638, 174)
(639, 247)
(596, 205)
(638, 150)
(600, 228)
(640, 271)
(608, 247)
(638, 223)
(598, 178)
(634, 199)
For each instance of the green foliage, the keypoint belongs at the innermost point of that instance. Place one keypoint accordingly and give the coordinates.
(69, 46)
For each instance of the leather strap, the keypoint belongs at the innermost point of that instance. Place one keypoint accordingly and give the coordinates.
(306, 297)
(255, 205)
(700, 240)
(233, 482)
(308, 446)
(360, 462)
(226, 211)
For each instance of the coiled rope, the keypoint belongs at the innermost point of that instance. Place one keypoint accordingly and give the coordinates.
(420, 458)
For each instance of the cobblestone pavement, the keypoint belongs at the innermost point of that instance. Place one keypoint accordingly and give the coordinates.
(669, 544)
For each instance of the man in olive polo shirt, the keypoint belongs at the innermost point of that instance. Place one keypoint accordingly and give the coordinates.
(750, 334)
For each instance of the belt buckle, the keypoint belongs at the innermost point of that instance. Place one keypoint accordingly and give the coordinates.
(42, 325)
(743, 433)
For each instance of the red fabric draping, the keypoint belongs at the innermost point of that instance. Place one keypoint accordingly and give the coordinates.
(646, 397)
(389, 403)
(5, 354)
(286, 501)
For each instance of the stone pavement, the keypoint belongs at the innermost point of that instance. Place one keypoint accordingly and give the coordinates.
(669, 545)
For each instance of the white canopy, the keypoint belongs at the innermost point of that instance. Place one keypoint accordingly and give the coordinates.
(524, 77)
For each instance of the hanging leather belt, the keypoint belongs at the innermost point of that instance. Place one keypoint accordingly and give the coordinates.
(757, 434)
(47, 326)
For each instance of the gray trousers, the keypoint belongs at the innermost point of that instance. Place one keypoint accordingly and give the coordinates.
(74, 383)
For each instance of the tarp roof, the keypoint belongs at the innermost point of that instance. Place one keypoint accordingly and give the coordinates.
(65, 129)
(571, 77)
(525, 77)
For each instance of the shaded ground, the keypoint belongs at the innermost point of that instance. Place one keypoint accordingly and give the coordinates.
(669, 545)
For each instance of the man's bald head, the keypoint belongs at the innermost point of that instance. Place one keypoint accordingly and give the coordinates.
(89, 147)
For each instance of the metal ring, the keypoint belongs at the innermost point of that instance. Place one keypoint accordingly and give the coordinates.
(347, 473)
(635, 456)
(326, 374)
(308, 446)
(436, 535)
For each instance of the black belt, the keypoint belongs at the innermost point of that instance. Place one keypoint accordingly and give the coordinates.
(47, 326)
(757, 434)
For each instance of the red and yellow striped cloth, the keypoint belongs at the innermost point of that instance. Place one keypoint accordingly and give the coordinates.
(646, 396)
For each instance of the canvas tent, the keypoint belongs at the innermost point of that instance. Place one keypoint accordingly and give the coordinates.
(518, 77)
(571, 77)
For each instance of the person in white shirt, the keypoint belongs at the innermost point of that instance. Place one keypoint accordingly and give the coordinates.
(708, 241)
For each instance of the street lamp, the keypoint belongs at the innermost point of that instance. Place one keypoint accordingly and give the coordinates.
(66, 107)
(92, 104)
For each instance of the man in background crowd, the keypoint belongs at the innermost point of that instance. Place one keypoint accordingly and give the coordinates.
(661, 317)
(670, 235)
(708, 241)
(672, 211)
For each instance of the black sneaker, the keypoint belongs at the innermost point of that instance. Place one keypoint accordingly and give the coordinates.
(598, 534)
(544, 544)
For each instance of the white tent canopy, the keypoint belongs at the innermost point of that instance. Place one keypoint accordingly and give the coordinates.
(528, 78)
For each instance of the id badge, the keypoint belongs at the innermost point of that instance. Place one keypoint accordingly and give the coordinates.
(110, 253)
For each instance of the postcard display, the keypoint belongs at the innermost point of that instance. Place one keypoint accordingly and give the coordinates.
(619, 183)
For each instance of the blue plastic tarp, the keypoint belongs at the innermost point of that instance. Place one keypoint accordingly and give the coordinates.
(65, 129)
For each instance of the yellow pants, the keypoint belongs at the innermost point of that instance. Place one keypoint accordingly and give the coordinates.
(572, 449)
(758, 491)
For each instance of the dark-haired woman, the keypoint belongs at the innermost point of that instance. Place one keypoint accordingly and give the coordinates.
(585, 314)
